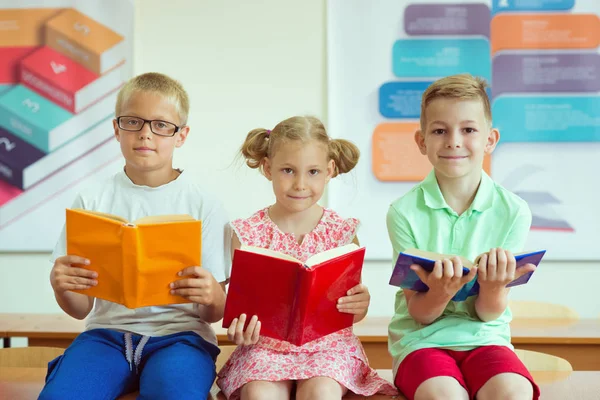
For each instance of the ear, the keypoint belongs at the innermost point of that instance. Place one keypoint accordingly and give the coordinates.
(117, 131)
(266, 166)
(492, 140)
(182, 136)
(420, 140)
(330, 170)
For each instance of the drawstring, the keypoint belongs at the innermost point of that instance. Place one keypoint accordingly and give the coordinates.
(134, 358)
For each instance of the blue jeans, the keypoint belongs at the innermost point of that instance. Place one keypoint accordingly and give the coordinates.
(105, 364)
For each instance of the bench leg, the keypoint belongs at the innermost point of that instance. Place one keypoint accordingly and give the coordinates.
(6, 342)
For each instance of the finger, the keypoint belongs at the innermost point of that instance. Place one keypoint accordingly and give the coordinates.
(438, 269)
(502, 264)
(448, 268)
(83, 281)
(187, 292)
(525, 269)
(231, 329)
(250, 329)
(354, 308)
(511, 264)
(457, 267)
(482, 267)
(74, 260)
(421, 273)
(77, 286)
(469, 277)
(360, 288)
(239, 330)
(256, 333)
(197, 271)
(86, 273)
(492, 264)
(355, 298)
(188, 283)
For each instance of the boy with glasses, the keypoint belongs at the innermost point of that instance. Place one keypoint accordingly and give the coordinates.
(165, 352)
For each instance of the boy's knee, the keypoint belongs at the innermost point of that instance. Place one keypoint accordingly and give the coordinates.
(506, 387)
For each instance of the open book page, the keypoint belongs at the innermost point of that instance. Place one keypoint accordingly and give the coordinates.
(330, 254)
(429, 255)
(269, 252)
(102, 215)
(163, 219)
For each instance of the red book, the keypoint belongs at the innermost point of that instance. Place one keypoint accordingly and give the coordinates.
(294, 301)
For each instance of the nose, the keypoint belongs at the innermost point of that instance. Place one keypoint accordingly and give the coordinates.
(454, 139)
(145, 133)
(299, 183)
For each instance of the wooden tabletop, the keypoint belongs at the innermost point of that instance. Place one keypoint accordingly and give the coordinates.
(372, 329)
(26, 384)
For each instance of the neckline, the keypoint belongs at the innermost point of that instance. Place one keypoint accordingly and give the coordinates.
(276, 227)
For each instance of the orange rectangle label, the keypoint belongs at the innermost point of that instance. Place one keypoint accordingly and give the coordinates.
(545, 31)
(396, 156)
(24, 27)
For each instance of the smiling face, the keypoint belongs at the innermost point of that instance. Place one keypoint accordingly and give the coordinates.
(143, 150)
(299, 172)
(456, 136)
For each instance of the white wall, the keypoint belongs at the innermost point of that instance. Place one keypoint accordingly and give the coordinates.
(248, 65)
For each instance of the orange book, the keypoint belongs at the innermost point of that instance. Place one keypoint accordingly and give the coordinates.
(135, 261)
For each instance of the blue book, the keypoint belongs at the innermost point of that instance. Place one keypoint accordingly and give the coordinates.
(404, 277)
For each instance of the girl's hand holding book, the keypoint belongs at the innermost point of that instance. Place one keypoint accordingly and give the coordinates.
(236, 332)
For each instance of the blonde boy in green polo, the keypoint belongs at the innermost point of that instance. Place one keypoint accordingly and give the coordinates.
(444, 349)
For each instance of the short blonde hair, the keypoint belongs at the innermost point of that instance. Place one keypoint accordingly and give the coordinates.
(161, 84)
(461, 86)
(261, 143)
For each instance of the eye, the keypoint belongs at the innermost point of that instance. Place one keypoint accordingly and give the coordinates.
(287, 171)
(132, 122)
(313, 172)
(160, 125)
(438, 131)
(470, 130)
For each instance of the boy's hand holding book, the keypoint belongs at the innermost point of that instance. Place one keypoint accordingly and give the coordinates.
(447, 276)
(198, 286)
(66, 276)
(498, 268)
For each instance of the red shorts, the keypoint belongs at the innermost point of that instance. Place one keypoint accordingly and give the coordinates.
(472, 369)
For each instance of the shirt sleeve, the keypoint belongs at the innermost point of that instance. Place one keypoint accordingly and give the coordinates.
(216, 241)
(399, 231)
(516, 238)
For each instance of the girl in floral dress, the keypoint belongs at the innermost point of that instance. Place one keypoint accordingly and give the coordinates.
(299, 158)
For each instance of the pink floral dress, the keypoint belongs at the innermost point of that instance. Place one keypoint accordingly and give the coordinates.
(339, 356)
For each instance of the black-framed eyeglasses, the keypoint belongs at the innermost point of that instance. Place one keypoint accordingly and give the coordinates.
(158, 127)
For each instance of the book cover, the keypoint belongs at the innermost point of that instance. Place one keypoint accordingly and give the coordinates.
(405, 278)
(65, 82)
(294, 301)
(26, 25)
(44, 124)
(10, 58)
(135, 261)
(16, 156)
(86, 41)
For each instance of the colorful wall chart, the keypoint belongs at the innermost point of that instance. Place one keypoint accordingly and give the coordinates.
(61, 66)
(542, 60)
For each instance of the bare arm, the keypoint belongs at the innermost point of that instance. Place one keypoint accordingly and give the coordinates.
(426, 307)
(65, 277)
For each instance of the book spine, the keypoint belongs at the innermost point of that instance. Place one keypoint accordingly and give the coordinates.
(15, 156)
(130, 248)
(304, 282)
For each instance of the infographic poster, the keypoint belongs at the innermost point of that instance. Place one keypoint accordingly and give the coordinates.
(542, 62)
(61, 66)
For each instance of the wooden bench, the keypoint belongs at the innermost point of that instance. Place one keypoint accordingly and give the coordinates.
(577, 341)
(26, 384)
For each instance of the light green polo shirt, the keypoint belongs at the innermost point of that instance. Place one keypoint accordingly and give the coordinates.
(423, 220)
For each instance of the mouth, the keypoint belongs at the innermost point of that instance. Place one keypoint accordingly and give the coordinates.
(453, 157)
(143, 149)
(298, 197)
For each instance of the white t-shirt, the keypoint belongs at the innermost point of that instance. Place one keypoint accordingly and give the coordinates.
(120, 196)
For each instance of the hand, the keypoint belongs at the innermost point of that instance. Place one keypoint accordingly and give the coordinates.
(498, 268)
(356, 302)
(65, 275)
(201, 287)
(236, 332)
(446, 278)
